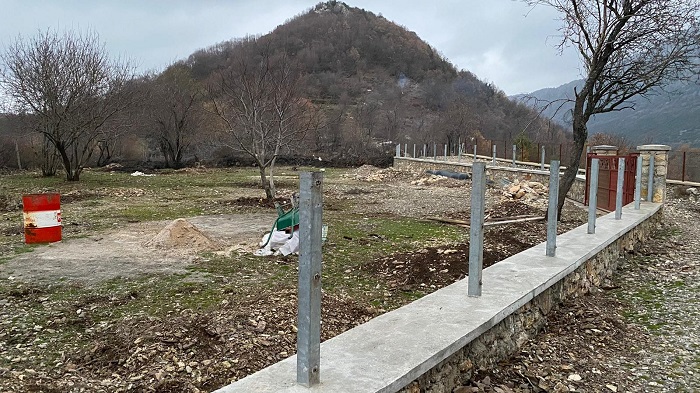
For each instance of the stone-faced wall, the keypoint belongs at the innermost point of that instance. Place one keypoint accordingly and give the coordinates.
(660, 154)
(505, 339)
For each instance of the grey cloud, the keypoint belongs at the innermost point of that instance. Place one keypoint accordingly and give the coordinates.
(493, 39)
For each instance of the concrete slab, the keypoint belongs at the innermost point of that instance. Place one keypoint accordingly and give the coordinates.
(390, 351)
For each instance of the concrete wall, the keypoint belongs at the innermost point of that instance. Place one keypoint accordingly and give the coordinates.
(503, 340)
(434, 344)
(493, 172)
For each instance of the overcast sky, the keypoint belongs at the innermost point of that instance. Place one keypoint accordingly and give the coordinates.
(501, 41)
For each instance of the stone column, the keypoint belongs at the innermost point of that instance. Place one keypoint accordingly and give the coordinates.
(604, 150)
(660, 153)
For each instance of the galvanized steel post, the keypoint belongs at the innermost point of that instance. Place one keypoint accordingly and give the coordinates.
(309, 296)
(474, 160)
(542, 159)
(414, 150)
(405, 149)
(620, 183)
(593, 194)
(493, 161)
(514, 153)
(445, 151)
(638, 184)
(476, 228)
(552, 208)
(398, 150)
(650, 184)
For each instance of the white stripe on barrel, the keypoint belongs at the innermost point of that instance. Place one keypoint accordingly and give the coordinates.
(42, 219)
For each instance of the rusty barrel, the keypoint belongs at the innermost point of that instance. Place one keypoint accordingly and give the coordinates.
(42, 218)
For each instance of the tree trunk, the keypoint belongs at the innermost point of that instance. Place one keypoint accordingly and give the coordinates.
(265, 183)
(19, 162)
(273, 190)
(71, 174)
(567, 180)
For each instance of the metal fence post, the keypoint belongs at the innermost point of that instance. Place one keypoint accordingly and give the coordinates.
(476, 228)
(552, 208)
(620, 183)
(682, 170)
(542, 159)
(493, 161)
(425, 150)
(398, 150)
(459, 153)
(309, 314)
(514, 153)
(593, 194)
(405, 149)
(445, 151)
(638, 184)
(650, 185)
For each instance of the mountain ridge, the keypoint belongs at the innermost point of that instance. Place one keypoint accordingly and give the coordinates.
(665, 116)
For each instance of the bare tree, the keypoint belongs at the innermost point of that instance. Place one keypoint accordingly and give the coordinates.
(175, 110)
(257, 98)
(71, 88)
(627, 48)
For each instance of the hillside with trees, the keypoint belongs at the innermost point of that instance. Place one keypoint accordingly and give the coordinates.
(334, 83)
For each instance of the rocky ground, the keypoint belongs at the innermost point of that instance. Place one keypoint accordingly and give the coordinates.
(639, 333)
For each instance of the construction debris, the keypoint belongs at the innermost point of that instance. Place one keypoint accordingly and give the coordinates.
(371, 173)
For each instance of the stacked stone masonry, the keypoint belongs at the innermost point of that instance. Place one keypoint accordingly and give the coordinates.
(503, 340)
(660, 154)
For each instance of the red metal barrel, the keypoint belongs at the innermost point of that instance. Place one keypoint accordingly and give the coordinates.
(42, 218)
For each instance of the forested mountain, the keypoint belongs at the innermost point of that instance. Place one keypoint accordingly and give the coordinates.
(358, 82)
(670, 116)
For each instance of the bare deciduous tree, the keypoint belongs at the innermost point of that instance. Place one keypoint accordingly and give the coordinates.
(258, 99)
(70, 86)
(175, 109)
(627, 48)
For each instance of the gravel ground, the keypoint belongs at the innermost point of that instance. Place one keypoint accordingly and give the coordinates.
(638, 333)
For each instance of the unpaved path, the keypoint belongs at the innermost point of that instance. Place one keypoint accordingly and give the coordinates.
(122, 252)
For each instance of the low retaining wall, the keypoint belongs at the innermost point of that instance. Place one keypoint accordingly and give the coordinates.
(433, 344)
(577, 191)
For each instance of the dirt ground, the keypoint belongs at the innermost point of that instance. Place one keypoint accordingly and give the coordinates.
(191, 348)
(126, 251)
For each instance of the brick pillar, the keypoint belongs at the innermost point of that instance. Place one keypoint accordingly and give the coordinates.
(604, 150)
(660, 153)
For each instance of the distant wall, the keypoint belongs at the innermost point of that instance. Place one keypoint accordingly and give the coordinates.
(493, 172)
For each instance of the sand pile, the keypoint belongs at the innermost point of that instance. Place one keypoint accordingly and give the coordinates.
(183, 236)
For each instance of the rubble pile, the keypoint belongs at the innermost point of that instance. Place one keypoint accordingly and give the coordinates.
(530, 192)
(429, 179)
(373, 174)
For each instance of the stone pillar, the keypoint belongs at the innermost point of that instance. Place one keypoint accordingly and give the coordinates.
(660, 153)
(604, 150)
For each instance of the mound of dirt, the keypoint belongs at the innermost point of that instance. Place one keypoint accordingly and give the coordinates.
(183, 236)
